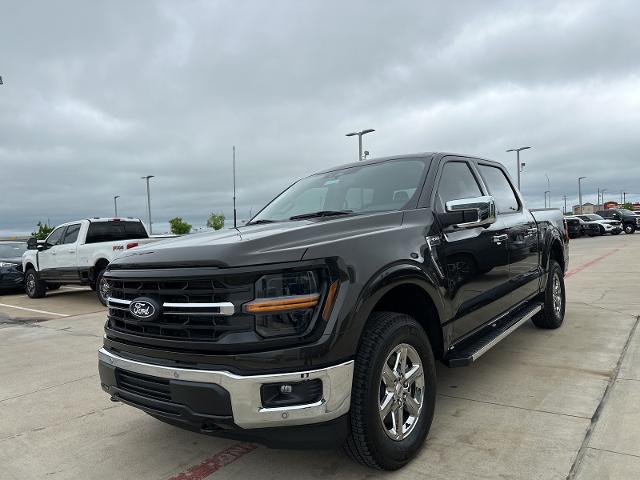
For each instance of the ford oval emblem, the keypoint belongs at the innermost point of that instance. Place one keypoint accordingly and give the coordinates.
(144, 308)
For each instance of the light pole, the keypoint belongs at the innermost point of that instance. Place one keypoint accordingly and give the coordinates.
(564, 212)
(115, 204)
(518, 165)
(360, 134)
(580, 192)
(548, 191)
(602, 194)
(545, 198)
(149, 202)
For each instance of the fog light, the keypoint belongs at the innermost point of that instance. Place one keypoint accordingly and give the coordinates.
(286, 388)
(289, 394)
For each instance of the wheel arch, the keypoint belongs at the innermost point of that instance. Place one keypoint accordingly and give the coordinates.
(98, 266)
(406, 288)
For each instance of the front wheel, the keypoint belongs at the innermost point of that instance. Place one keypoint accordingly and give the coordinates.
(394, 392)
(552, 314)
(34, 287)
(615, 232)
(103, 289)
(629, 229)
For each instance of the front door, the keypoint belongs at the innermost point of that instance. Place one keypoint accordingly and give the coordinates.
(48, 257)
(475, 260)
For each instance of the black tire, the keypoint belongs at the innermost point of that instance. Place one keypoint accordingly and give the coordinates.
(616, 232)
(368, 442)
(53, 286)
(92, 286)
(34, 287)
(552, 315)
(602, 232)
(629, 229)
(102, 288)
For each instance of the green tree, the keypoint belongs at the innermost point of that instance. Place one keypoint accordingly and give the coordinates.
(628, 206)
(178, 226)
(216, 221)
(43, 231)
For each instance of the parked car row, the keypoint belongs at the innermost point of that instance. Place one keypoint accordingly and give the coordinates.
(613, 221)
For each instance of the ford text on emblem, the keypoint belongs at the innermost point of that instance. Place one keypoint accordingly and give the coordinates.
(144, 308)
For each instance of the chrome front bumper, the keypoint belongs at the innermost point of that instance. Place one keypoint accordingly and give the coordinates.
(244, 391)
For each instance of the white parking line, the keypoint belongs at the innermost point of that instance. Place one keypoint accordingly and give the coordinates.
(67, 287)
(33, 310)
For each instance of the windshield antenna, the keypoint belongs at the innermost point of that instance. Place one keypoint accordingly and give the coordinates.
(234, 187)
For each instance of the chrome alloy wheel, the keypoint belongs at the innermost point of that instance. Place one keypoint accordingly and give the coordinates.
(401, 392)
(31, 283)
(104, 288)
(557, 295)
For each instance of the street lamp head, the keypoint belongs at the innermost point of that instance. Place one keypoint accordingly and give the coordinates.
(148, 176)
(116, 196)
(517, 149)
(351, 134)
(368, 130)
(580, 178)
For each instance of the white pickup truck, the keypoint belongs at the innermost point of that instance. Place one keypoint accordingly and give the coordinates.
(78, 252)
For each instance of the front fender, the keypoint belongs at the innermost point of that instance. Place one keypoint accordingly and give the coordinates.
(387, 278)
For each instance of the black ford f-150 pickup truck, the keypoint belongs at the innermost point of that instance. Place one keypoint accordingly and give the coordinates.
(319, 322)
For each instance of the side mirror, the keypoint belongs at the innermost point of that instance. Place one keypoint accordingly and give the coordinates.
(469, 212)
(32, 243)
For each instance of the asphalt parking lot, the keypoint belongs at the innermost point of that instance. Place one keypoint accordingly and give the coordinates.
(541, 405)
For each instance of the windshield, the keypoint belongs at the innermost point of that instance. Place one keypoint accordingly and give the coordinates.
(391, 185)
(625, 211)
(12, 250)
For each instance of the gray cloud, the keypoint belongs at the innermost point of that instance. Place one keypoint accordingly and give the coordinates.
(97, 95)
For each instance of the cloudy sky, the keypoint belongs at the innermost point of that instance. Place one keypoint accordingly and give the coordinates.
(97, 94)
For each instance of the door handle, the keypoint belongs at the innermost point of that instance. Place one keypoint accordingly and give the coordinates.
(71, 251)
(498, 239)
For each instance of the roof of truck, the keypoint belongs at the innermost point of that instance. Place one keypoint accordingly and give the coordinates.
(403, 156)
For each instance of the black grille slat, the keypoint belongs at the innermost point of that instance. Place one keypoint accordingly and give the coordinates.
(179, 323)
(143, 385)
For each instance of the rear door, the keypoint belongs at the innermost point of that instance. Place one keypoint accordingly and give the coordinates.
(522, 231)
(475, 259)
(66, 258)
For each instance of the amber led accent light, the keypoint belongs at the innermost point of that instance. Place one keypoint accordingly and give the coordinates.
(280, 304)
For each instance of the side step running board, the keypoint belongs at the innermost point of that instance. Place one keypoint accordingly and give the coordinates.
(469, 350)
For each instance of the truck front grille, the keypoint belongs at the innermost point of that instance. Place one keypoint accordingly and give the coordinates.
(190, 308)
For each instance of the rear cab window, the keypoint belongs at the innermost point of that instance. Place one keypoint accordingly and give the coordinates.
(113, 231)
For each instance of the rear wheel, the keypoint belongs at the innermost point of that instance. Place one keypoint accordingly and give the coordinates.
(629, 229)
(394, 392)
(103, 290)
(552, 314)
(34, 287)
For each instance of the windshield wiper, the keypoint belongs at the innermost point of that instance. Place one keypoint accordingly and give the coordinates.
(261, 221)
(321, 213)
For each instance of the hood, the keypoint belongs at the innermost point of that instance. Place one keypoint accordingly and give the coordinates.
(254, 244)
(16, 260)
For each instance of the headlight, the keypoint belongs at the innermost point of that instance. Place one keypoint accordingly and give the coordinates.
(7, 265)
(286, 303)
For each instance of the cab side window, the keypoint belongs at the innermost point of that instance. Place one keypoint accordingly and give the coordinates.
(72, 233)
(56, 236)
(457, 182)
(500, 188)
